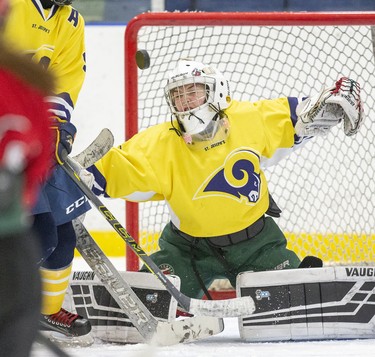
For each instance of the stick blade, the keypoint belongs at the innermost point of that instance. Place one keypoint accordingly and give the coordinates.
(237, 307)
(187, 330)
(96, 150)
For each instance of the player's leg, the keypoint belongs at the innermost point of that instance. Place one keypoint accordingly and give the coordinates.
(190, 261)
(66, 202)
(55, 273)
(58, 243)
(43, 226)
(274, 254)
(266, 251)
(46, 233)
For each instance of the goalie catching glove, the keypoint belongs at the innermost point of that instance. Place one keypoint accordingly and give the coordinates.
(319, 113)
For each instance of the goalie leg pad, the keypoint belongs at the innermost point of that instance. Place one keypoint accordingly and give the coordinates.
(309, 304)
(91, 299)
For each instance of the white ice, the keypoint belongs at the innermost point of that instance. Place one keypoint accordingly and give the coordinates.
(225, 344)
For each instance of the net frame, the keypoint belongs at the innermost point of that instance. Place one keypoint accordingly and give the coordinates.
(207, 20)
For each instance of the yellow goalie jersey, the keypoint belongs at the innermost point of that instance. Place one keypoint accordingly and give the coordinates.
(209, 192)
(54, 38)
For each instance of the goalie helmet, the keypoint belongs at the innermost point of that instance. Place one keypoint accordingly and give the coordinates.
(197, 94)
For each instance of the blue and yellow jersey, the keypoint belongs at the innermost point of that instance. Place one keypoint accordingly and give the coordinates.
(54, 38)
(210, 192)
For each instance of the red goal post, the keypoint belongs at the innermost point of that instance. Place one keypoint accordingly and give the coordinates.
(327, 191)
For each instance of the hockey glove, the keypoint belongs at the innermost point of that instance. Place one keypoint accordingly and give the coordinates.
(85, 176)
(319, 113)
(64, 137)
(347, 94)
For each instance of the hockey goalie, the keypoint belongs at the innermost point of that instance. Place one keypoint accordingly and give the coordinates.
(207, 163)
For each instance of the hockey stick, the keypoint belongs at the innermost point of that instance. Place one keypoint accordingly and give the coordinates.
(153, 331)
(96, 150)
(241, 306)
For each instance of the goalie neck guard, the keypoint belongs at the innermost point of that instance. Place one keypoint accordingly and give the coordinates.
(197, 95)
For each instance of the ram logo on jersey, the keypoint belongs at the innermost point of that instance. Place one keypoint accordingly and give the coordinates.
(238, 178)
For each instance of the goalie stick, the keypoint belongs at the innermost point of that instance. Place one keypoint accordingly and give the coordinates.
(153, 331)
(96, 150)
(241, 306)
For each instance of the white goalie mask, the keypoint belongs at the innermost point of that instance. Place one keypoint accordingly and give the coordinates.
(197, 94)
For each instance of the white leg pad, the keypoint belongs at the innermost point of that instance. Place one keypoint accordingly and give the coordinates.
(309, 304)
(90, 298)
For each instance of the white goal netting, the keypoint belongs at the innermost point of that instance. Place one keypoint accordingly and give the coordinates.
(327, 189)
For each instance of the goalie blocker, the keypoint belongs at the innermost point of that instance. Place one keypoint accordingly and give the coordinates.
(309, 304)
(90, 298)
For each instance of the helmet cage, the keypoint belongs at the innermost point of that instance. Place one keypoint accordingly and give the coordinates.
(191, 95)
(197, 117)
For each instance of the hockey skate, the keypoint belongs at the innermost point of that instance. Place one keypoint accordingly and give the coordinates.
(66, 328)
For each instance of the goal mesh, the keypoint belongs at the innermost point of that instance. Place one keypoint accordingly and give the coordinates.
(327, 189)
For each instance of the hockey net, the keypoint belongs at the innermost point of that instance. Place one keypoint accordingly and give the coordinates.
(327, 189)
